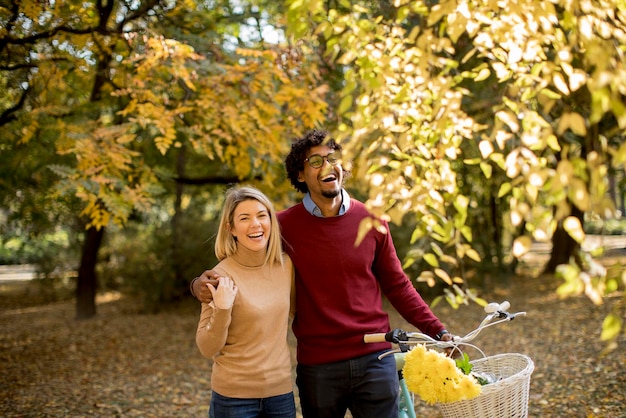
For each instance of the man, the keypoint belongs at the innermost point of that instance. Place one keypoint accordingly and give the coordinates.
(339, 289)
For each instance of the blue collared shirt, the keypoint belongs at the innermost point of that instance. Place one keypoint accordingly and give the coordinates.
(314, 210)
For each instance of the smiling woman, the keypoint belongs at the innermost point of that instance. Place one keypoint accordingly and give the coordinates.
(243, 330)
(241, 206)
(251, 225)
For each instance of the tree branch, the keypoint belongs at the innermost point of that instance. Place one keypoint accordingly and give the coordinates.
(8, 115)
(199, 181)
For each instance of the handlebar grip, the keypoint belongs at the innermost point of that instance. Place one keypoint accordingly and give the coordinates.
(375, 338)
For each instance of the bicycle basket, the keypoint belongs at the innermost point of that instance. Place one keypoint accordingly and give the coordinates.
(506, 398)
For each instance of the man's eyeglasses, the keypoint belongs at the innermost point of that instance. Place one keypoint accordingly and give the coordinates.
(316, 161)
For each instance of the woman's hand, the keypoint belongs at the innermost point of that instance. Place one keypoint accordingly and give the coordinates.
(224, 295)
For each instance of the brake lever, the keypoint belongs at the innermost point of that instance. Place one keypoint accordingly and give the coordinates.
(398, 336)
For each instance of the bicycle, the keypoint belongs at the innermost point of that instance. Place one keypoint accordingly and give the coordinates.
(507, 375)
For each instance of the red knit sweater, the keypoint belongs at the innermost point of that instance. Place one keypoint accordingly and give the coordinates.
(338, 285)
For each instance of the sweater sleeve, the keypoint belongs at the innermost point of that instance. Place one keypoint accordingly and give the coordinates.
(212, 329)
(400, 291)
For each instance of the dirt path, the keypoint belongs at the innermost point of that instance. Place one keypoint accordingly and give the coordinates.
(125, 364)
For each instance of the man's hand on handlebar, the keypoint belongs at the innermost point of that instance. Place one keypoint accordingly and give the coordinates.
(450, 352)
(200, 285)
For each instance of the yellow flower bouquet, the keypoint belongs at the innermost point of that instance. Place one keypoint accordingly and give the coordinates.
(435, 378)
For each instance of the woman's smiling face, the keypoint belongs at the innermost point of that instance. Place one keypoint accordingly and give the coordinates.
(251, 225)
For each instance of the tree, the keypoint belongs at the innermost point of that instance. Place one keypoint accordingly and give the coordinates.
(529, 92)
(103, 84)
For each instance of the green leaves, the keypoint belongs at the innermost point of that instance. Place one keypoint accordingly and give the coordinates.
(611, 326)
(463, 363)
(574, 228)
(524, 94)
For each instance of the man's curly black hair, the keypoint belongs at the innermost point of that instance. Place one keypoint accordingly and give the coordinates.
(294, 163)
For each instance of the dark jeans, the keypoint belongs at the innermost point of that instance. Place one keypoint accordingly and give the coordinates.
(282, 406)
(368, 387)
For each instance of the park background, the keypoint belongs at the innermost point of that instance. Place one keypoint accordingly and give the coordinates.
(485, 132)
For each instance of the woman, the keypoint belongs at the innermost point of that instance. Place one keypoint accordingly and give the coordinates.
(244, 328)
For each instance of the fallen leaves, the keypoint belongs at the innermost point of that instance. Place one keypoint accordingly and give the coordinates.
(123, 363)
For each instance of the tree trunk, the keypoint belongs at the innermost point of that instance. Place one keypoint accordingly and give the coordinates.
(497, 230)
(178, 213)
(563, 245)
(86, 284)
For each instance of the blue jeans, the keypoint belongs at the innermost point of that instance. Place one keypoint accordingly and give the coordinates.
(368, 387)
(281, 406)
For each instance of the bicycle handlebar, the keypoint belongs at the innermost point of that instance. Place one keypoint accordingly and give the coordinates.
(496, 314)
(394, 336)
(379, 337)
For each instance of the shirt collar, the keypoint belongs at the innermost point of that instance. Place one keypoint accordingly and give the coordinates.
(314, 210)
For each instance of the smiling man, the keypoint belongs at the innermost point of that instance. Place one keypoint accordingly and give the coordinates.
(339, 289)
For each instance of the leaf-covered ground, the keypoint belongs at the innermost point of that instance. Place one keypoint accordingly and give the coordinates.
(123, 363)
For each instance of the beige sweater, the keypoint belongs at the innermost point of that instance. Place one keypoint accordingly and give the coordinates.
(248, 343)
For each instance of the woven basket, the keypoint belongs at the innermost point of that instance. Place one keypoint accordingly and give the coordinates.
(506, 398)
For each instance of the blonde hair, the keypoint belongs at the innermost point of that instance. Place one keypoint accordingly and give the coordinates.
(225, 243)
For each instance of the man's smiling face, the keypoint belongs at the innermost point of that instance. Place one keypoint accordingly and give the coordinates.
(325, 181)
